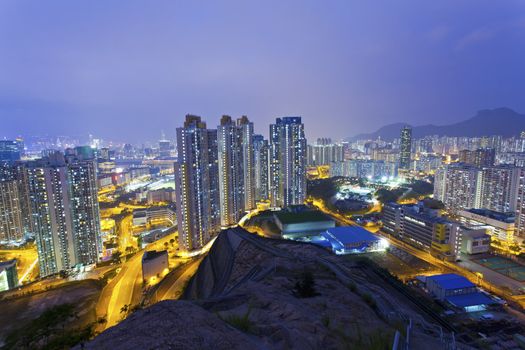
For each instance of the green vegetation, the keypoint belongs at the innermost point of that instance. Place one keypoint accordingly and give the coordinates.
(413, 190)
(326, 320)
(305, 287)
(421, 188)
(369, 300)
(49, 331)
(265, 221)
(116, 257)
(433, 203)
(323, 188)
(387, 196)
(241, 322)
(378, 340)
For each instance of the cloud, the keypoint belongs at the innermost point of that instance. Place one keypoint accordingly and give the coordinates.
(476, 37)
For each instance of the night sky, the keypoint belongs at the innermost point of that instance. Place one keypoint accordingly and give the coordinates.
(126, 70)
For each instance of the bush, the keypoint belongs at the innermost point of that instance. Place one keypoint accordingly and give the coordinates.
(387, 196)
(241, 322)
(305, 288)
(369, 300)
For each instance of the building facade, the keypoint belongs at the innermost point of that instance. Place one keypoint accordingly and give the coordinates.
(11, 224)
(520, 204)
(368, 169)
(421, 227)
(231, 171)
(481, 157)
(459, 186)
(261, 149)
(197, 183)
(246, 134)
(405, 148)
(9, 150)
(287, 162)
(65, 212)
(325, 152)
(500, 226)
(500, 188)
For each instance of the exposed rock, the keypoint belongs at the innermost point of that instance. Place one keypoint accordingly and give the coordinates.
(248, 301)
(172, 325)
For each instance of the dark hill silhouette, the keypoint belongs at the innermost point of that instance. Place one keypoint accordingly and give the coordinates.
(500, 121)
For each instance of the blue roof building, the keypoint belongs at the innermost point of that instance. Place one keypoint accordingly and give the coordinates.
(458, 291)
(353, 239)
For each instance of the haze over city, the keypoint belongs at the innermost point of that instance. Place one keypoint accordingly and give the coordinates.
(346, 67)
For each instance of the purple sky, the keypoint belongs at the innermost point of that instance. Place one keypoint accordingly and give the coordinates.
(128, 69)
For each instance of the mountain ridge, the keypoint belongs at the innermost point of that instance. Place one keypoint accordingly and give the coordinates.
(487, 122)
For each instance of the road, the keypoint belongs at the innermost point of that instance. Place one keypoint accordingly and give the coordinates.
(124, 291)
(171, 287)
(125, 235)
(27, 262)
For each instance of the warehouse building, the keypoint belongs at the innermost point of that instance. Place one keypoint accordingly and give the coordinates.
(352, 240)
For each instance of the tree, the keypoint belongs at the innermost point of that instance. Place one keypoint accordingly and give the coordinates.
(115, 257)
(433, 203)
(388, 196)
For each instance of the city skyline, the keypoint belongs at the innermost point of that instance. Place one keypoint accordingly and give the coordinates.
(94, 70)
(285, 174)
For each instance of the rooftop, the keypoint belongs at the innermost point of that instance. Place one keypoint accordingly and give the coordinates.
(7, 264)
(471, 299)
(496, 215)
(475, 233)
(153, 254)
(425, 216)
(303, 216)
(139, 213)
(351, 234)
(451, 281)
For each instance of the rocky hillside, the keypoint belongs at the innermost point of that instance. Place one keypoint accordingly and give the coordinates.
(251, 292)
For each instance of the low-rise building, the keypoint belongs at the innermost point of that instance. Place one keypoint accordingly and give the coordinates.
(153, 215)
(140, 217)
(449, 284)
(154, 265)
(371, 169)
(161, 195)
(353, 240)
(8, 275)
(500, 226)
(302, 223)
(391, 217)
(475, 241)
(421, 227)
(458, 292)
(105, 181)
